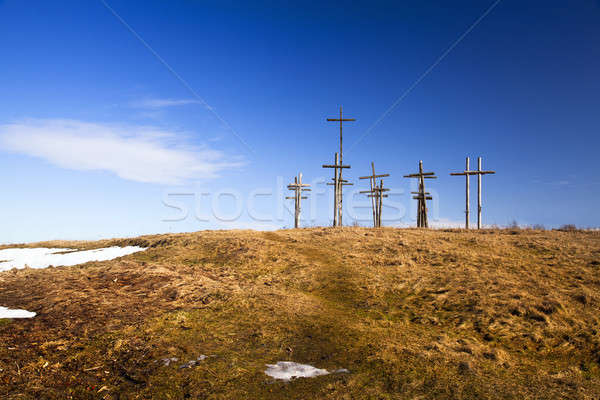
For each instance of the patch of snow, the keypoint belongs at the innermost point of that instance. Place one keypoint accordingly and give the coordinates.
(7, 313)
(341, 371)
(288, 370)
(43, 258)
(193, 363)
(167, 361)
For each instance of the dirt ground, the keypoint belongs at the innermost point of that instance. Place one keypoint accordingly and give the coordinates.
(412, 314)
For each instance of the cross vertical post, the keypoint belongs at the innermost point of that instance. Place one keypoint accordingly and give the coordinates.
(336, 187)
(423, 204)
(296, 211)
(338, 199)
(298, 187)
(467, 201)
(467, 174)
(479, 172)
(376, 193)
(338, 184)
(422, 196)
(479, 193)
(379, 206)
(373, 183)
(340, 181)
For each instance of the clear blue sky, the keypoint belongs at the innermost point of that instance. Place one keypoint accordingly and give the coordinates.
(96, 132)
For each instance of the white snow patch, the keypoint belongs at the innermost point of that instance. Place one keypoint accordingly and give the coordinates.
(43, 258)
(288, 370)
(7, 313)
(193, 363)
(167, 361)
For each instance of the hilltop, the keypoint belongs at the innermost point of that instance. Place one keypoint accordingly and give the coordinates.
(410, 313)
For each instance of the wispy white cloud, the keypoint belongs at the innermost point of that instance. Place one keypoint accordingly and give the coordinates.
(137, 153)
(162, 103)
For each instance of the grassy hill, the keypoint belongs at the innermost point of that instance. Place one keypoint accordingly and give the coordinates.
(410, 313)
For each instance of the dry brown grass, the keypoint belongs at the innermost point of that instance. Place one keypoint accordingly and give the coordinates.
(411, 313)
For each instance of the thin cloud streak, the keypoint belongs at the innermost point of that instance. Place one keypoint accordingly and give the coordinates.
(137, 153)
(163, 103)
(176, 75)
(424, 74)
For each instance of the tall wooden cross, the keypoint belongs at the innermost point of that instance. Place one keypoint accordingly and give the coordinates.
(376, 194)
(467, 174)
(340, 185)
(479, 172)
(422, 196)
(298, 187)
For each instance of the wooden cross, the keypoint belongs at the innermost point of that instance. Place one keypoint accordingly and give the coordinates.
(479, 172)
(338, 194)
(376, 194)
(338, 184)
(422, 196)
(298, 187)
(341, 120)
(467, 175)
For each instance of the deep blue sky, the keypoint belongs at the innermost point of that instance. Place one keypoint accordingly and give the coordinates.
(522, 89)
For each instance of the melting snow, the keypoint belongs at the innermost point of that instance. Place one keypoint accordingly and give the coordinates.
(288, 370)
(193, 363)
(6, 313)
(167, 361)
(341, 371)
(43, 258)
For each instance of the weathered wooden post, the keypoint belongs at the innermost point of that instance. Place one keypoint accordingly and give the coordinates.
(340, 182)
(479, 193)
(480, 172)
(422, 196)
(373, 184)
(380, 205)
(467, 175)
(376, 194)
(468, 206)
(298, 187)
(336, 187)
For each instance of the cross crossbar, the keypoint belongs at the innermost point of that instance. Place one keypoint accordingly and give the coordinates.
(472, 173)
(335, 166)
(418, 175)
(375, 189)
(374, 176)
